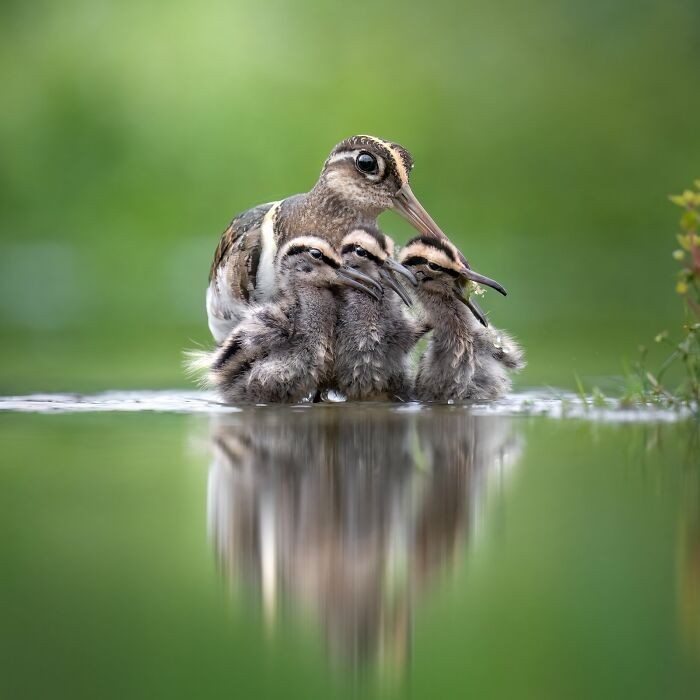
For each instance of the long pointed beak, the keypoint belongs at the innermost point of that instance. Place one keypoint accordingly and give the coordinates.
(401, 270)
(395, 286)
(472, 306)
(361, 277)
(358, 280)
(470, 274)
(476, 310)
(406, 203)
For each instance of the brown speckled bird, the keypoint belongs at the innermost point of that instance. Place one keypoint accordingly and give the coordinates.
(362, 177)
(463, 360)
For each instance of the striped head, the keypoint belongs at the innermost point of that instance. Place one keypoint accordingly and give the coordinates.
(367, 171)
(367, 250)
(310, 261)
(436, 265)
(371, 175)
(437, 262)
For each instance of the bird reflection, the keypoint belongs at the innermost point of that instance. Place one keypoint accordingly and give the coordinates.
(345, 514)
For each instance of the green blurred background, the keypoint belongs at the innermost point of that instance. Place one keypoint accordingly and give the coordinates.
(546, 137)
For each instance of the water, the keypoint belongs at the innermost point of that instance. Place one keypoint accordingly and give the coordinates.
(162, 545)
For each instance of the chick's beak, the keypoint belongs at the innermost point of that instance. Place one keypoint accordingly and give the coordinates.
(394, 266)
(460, 293)
(358, 280)
(477, 311)
(395, 285)
(469, 274)
(459, 289)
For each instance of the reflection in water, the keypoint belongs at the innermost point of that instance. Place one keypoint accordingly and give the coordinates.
(656, 440)
(689, 550)
(344, 514)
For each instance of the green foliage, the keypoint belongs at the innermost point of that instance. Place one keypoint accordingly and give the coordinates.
(645, 385)
(597, 398)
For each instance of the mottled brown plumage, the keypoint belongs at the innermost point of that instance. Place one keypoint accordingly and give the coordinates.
(238, 236)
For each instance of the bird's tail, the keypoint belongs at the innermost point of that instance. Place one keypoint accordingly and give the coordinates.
(197, 364)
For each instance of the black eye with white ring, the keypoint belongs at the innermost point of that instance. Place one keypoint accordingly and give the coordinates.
(316, 253)
(433, 266)
(359, 250)
(366, 163)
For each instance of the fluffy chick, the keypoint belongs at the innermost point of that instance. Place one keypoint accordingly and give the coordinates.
(463, 360)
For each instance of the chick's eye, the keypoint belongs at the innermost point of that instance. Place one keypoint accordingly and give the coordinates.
(367, 163)
(316, 253)
(360, 251)
(433, 266)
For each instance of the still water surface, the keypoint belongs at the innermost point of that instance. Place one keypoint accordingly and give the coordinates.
(348, 551)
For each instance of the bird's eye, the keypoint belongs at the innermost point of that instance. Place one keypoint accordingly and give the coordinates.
(359, 250)
(433, 266)
(367, 163)
(316, 253)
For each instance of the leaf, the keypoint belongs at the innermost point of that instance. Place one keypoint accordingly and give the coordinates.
(683, 240)
(598, 398)
(581, 390)
(677, 199)
(689, 220)
(681, 287)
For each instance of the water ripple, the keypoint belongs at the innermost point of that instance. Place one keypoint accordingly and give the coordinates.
(548, 403)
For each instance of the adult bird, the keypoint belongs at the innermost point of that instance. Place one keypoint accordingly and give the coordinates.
(362, 177)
